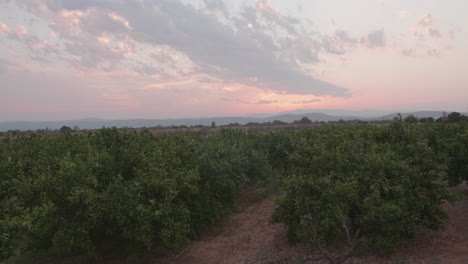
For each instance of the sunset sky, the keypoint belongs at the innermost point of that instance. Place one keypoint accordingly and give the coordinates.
(116, 59)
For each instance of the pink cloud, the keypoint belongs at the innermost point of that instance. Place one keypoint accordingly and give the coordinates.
(79, 24)
(123, 49)
(70, 17)
(30, 41)
(383, 2)
(120, 19)
(425, 26)
(162, 56)
(21, 30)
(4, 28)
(265, 5)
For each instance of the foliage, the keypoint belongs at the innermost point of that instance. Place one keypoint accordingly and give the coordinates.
(278, 123)
(82, 193)
(383, 181)
(65, 129)
(426, 120)
(455, 117)
(120, 189)
(411, 119)
(303, 120)
(4, 241)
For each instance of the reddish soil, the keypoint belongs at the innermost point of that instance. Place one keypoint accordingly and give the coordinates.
(236, 238)
(247, 237)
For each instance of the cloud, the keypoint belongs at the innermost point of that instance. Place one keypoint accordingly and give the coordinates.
(421, 53)
(39, 49)
(95, 53)
(307, 101)
(96, 38)
(344, 37)
(265, 6)
(408, 52)
(18, 33)
(259, 102)
(339, 42)
(215, 4)
(430, 39)
(383, 2)
(432, 53)
(425, 27)
(163, 56)
(374, 39)
(403, 14)
(146, 69)
(4, 29)
(21, 30)
(222, 46)
(266, 101)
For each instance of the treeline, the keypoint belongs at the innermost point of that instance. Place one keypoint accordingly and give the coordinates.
(453, 117)
(129, 190)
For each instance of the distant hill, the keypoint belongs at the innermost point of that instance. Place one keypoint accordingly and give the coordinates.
(419, 114)
(93, 123)
(319, 117)
(331, 112)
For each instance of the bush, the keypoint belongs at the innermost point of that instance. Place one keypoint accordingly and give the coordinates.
(383, 188)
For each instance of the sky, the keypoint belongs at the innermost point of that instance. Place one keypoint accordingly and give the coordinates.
(120, 59)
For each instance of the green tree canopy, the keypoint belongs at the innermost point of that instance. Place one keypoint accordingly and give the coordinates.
(455, 117)
(411, 119)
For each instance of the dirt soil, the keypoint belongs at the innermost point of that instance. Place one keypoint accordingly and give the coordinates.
(248, 237)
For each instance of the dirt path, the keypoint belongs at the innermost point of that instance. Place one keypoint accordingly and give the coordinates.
(247, 237)
(235, 239)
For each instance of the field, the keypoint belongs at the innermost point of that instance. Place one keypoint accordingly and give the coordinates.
(342, 191)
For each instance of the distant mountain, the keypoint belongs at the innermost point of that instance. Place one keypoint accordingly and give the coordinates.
(289, 118)
(93, 123)
(134, 123)
(331, 112)
(419, 114)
